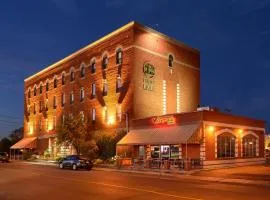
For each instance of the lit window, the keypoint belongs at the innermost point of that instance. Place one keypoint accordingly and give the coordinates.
(93, 90)
(105, 87)
(71, 98)
(63, 79)
(63, 99)
(105, 61)
(178, 98)
(170, 59)
(40, 106)
(118, 83)
(40, 88)
(54, 102)
(81, 94)
(226, 145)
(119, 56)
(93, 67)
(55, 82)
(72, 75)
(82, 70)
(249, 146)
(35, 90)
(93, 114)
(82, 116)
(47, 86)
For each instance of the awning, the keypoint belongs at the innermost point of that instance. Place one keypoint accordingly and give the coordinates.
(26, 143)
(190, 133)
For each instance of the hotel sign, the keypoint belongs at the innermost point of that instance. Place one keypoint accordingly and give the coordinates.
(164, 120)
(148, 79)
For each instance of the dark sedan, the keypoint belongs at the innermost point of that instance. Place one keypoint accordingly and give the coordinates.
(4, 157)
(75, 162)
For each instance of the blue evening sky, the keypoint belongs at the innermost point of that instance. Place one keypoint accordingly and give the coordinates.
(232, 35)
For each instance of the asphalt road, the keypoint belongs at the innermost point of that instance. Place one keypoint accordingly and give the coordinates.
(26, 182)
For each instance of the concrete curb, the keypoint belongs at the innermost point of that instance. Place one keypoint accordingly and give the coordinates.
(179, 175)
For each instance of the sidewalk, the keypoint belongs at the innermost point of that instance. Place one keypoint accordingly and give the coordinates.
(198, 175)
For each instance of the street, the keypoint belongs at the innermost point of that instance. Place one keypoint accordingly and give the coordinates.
(26, 182)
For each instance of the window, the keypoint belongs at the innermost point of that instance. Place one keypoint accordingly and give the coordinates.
(28, 110)
(29, 93)
(105, 87)
(93, 90)
(249, 146)
(47, 86)
(72, 75)
(63, 119)
(40, 106)
(54, 122)
(226, 145)
(82, 116)
(119, 56)
(63, 79)
(71, 98)
(55, 82)
(34, 108)
(93, 114)
(81, 94)
(82, 70)
(164, 97)
(170, 59)
(40, 124)
(105, 61)
(54, 102)
(40, 88)
(63, 100)
(93, 67)
(118, 83)
(178, 98)
(46, 104)
(35, 90)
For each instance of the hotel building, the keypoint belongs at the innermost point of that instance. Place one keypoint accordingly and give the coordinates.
(138, 72)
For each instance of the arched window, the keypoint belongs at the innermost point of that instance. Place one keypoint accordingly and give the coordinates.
(249, 145)
(81, 94)
(93, 66)
(105, 61)
(170, 59)
(93, 90)
(47, 86)
(54, 102)
(226, 145)
(35, 108)
(119, 55)
(63, 99)
(63, 79)
(55, 82)
(71, 98)
(82, 70)
(72, 75)
(40, 88)
(35, 90)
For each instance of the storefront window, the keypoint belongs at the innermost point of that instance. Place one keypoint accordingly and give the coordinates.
(165, 151)
(226, 145)
(141, 152)
(249, 146)
(174, 151)
(155, 151)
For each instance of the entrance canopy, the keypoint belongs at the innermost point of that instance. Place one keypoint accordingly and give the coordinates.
(26, 143)
(189, 133)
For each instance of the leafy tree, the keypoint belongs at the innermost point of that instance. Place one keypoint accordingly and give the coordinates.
(16, 135)
(74, 132)
(5, 144)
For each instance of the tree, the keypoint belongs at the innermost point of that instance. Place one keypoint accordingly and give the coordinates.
(74, 132)
(5, 144)
(16, 135)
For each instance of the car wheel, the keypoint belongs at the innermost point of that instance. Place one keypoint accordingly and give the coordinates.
(61, 166)
(74, 167)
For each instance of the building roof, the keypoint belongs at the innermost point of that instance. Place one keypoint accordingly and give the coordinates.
(80, 51)
(25, 143)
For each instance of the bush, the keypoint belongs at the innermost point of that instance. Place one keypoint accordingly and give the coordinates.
(28, 155)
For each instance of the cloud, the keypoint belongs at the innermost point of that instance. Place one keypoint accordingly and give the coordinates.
(244, 7)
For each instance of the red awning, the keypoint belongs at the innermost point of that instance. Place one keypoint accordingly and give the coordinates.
(26, 143)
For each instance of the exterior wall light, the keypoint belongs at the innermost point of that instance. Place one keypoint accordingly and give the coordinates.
(211, 129)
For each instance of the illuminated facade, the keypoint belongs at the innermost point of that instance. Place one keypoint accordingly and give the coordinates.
(134, 71)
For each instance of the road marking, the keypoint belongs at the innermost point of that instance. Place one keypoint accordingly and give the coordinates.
(124, 187)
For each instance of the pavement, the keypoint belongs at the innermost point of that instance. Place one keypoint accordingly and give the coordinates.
(25, 181)
(251, 175)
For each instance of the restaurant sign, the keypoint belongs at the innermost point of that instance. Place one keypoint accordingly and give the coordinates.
(164, 120)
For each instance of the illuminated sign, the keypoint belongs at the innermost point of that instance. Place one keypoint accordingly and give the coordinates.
(164, 120)
(149, 73)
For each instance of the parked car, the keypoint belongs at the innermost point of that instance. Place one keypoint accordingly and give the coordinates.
(76, 162)
(4, 157)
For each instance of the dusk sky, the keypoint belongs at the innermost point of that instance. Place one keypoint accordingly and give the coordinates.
(233, 37)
